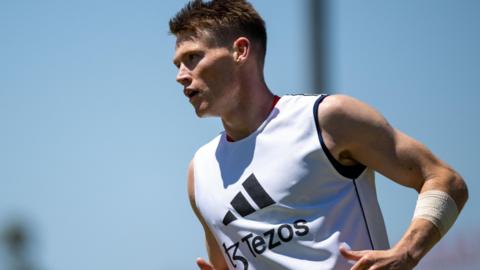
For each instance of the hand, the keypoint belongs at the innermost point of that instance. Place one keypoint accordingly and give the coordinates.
(203, 265)
(378, 259)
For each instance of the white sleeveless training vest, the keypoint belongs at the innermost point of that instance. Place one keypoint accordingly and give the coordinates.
(277, 199)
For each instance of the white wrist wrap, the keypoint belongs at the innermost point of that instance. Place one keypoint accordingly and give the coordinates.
(437, 207)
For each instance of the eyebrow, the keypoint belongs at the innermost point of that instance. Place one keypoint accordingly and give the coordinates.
(175, 62)
(179, 56)
(177, 59)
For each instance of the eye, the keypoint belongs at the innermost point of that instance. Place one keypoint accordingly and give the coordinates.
(193, 57)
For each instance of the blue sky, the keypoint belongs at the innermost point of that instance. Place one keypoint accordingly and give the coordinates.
(95, 134)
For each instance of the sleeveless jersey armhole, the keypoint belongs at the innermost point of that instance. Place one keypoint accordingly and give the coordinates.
(351, 172)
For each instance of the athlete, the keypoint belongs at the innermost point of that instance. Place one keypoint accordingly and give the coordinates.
(289, 183)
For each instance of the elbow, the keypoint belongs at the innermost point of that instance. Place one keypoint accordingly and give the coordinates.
(450, 181)
(459, 189)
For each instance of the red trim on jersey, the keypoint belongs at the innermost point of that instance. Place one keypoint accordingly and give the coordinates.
(275, 100)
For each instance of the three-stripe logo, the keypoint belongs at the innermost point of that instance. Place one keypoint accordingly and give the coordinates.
(256, 192)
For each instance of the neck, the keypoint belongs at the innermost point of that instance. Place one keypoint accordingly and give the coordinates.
(249, 111)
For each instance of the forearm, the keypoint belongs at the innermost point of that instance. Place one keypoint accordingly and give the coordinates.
(433, 217)
(419, 238)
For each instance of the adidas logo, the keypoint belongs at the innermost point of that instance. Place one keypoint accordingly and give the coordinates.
(257, 243)
(256, 192)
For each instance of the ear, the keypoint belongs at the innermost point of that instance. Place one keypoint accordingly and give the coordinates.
(241, 49)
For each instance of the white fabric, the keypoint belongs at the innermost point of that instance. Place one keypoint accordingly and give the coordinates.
(315, 209)
(437, 207)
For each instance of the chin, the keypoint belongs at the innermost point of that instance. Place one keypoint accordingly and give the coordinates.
(202, 113)
(205, 109)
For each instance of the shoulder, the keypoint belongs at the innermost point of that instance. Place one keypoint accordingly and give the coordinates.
(348, 124)
(202, 157)
(191, 189)
(191, 184)
(342, 107)
(341, 114)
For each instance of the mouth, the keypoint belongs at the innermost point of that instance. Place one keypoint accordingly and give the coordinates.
(190, 93)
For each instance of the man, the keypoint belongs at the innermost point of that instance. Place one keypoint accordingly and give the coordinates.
(289, 183)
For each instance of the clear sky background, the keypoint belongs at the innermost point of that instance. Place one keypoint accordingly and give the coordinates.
(96, 135)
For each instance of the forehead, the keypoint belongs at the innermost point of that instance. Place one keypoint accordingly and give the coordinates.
(200, 36)
(190, 42)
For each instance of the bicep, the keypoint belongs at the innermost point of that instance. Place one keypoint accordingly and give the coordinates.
(214, 253)
(396, 156)
(358, 131)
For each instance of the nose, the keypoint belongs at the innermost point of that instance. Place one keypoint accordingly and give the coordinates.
(183, 76)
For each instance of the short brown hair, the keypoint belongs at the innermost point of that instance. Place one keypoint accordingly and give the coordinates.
(225, 19)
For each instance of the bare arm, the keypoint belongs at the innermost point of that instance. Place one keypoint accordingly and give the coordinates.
(355, 133)
(214, 253)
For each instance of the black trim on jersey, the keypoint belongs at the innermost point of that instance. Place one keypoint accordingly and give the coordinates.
(351, 172)
(363, 213)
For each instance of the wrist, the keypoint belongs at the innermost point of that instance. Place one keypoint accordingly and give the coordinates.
(410, 256)
(417, 241)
